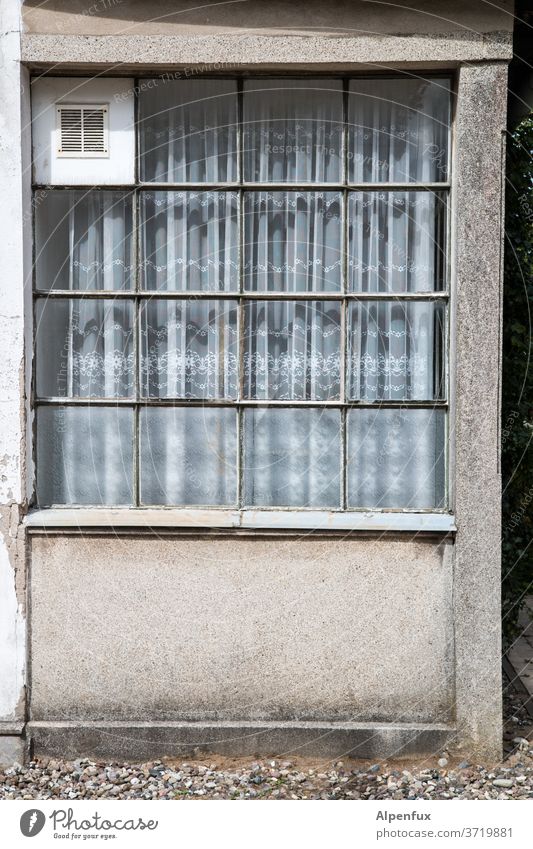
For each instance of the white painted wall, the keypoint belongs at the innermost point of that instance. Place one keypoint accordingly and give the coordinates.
(15, 215)
(117, 95)
(12, 640)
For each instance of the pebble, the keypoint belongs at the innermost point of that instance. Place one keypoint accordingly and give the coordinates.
(284, 779)
(259, 780)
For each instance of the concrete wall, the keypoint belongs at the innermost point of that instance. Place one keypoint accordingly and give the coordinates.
(246, 629)
(150, 647)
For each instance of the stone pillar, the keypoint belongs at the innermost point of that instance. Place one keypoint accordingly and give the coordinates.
(477, 227)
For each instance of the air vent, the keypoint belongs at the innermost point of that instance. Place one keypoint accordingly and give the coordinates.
(82, 131)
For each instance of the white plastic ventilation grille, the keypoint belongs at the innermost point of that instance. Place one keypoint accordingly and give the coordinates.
(82, 131)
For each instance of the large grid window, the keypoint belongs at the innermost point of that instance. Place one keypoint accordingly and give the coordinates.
(262, 320)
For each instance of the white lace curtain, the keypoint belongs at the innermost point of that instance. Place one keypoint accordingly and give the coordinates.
(188, 131)
(292, 133)
(398, 130)
(83, 240)
(190, 241)
(189, 349)
(292, 350)
(293, 241)
(85, 348)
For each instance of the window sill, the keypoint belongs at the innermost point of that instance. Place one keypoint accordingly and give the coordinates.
(297, 520)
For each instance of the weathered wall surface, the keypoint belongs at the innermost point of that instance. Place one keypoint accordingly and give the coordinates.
(241, 629)
(478, 228)
(167, 17)
(15, 215)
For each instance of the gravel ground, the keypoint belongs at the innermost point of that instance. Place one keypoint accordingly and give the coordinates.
(216, 778)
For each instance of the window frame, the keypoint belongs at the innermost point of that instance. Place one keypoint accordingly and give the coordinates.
(240, 515)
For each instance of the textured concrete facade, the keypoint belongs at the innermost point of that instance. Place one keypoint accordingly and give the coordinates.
(147, 643)
(233, 629)
(478, 236)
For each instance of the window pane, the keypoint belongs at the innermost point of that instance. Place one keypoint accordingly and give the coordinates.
(189, 349)
(188, 131)
(83, 240)
(188, 456)
(292, 458)
(396, 350)
(398, 130)
(84, 455)
(84, 348)
(293, 241)
(396, 458)
(397, 242)
(293, 131)
(292, 350)
(190, 241)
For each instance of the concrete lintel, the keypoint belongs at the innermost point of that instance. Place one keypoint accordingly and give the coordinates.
(264, 51)
(148, 740)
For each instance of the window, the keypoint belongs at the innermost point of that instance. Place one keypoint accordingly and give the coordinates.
(262, 320)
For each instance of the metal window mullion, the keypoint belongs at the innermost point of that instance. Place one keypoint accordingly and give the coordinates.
(222, 402)
(33, 389)
(240, 113)
(245, 296)
(344, 349)
(136, 220)
(344, 290)
(240, 365)
(136, 470)
(344, 458)
(259, 187)
(449, 343)
(283, 186)
(241, 345)
(136, 349)
(136, 132)
(345, 93)
(240, 465)
(344, 302)
(137, 289)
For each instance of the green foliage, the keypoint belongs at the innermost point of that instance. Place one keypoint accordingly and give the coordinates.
(517, 387)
